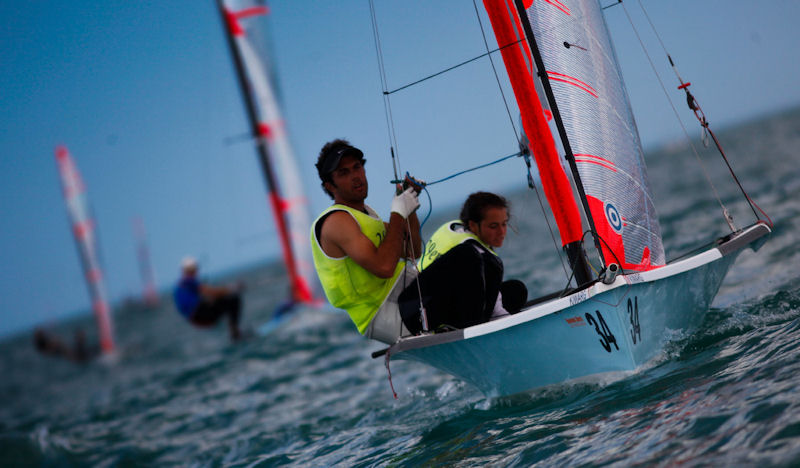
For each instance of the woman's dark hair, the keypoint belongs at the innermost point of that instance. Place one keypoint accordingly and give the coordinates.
(476, 204)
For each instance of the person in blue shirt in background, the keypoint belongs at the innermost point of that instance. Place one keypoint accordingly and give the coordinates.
(204, 305)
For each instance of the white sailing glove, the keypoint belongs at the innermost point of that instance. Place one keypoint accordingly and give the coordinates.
(405, 203)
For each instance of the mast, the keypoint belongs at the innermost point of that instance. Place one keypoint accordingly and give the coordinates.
(83, 229)
(268, 132)
(149, 295)
(517, 59)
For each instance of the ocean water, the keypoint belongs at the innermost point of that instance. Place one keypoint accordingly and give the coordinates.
(309, 394)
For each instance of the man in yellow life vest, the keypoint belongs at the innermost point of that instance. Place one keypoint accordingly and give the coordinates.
(461, 280)
(360, 259)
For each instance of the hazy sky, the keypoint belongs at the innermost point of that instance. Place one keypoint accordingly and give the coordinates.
(144, 96)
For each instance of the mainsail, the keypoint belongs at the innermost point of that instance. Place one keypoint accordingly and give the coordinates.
(287, 198)
(86, 240)
(575, 60)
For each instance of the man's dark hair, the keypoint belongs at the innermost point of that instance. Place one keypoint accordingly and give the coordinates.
(476, 204)
(330, 155)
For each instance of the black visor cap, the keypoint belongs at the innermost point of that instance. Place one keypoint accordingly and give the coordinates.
(331, 159)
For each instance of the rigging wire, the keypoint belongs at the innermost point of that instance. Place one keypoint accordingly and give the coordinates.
(611, 5)
(393, 138)
(396, 166)
(458, 65)
(423, 314)
(701, 117)
(725, 212)
(387, 107)
(544, 214)
(525, 154)
(518, 153)
(494, 70)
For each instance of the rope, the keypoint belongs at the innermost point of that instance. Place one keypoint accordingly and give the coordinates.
(396, 167)
(526, 155)
(518, 153)
(430, 200)
(422, 312)
(389, 371)
(425, 185)
(532, 185)
(430, 210)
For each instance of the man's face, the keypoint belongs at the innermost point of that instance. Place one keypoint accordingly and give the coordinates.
(492, 228)
(349, 180)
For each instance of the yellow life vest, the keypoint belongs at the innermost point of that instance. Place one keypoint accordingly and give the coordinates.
(348, 285)
(449, 235)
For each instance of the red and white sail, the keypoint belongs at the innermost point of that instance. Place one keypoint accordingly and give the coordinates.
(244, 21)
(579, 67)
(83, 229)
(521, 72)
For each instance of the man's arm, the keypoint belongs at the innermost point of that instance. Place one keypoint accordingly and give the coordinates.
(342, 236)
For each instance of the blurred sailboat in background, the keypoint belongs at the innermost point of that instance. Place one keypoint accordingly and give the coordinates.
(149, 293)
(83, 229)
(245, 27)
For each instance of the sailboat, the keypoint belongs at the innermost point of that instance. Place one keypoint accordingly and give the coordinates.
(561, 63)
(83, 229)
(149, 293)
(243, 23)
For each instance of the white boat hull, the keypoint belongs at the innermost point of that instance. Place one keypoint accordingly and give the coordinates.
(603, 329)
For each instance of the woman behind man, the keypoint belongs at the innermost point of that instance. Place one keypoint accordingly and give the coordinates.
(461, 279)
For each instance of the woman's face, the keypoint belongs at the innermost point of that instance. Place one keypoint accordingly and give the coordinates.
(492, 228)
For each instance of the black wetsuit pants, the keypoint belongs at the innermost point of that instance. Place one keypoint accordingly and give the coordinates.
(209, 312)
(458, 290)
